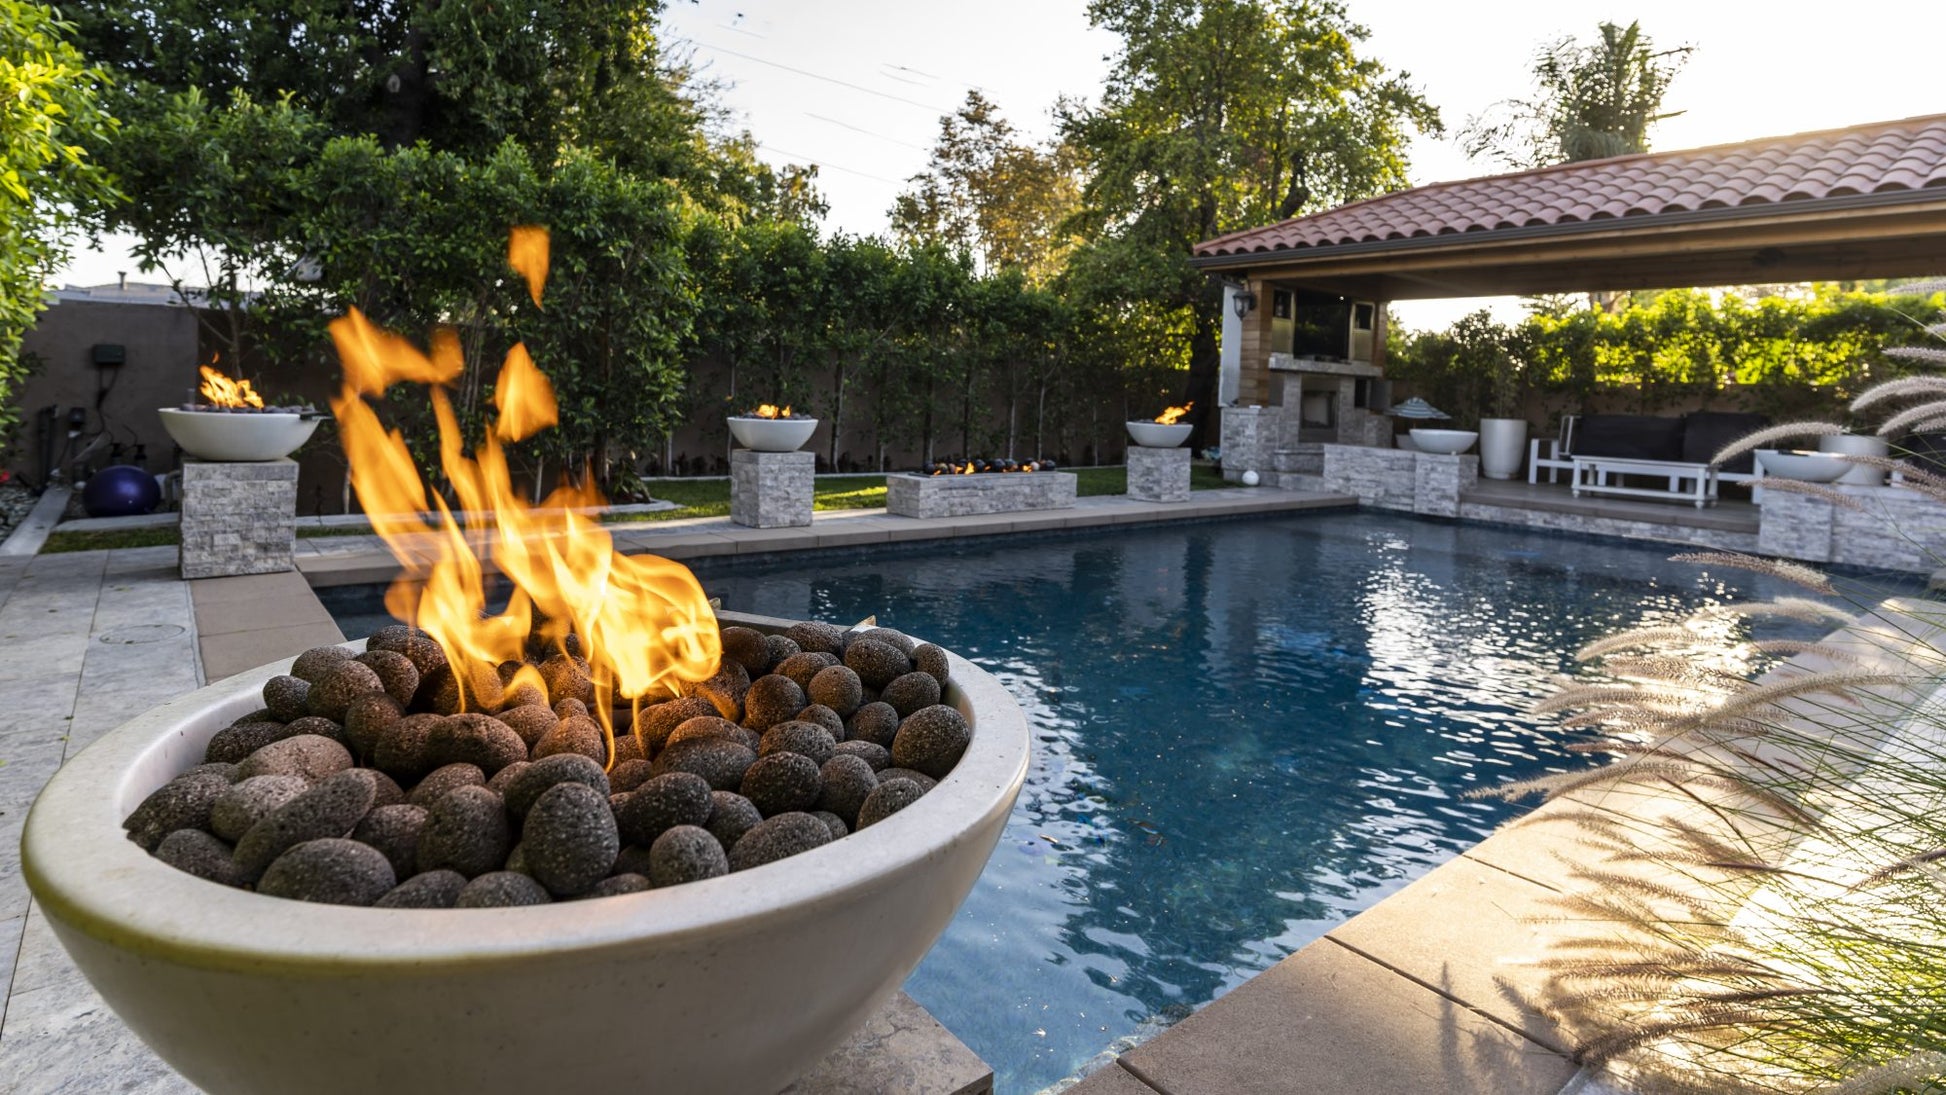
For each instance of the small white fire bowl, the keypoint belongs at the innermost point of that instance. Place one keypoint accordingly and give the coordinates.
(1811, 467)
(1155, 435)
(216, 435)
(772, 434)
(1444, 442)
(734, 984)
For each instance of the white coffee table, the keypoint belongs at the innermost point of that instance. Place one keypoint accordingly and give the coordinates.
(1694, 483)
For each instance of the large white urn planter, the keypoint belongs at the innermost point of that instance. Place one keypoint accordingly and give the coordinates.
(1503, 441)
(1855, 444)
(238, 436)
(772, 434)
(1155, 435)
(735, 984)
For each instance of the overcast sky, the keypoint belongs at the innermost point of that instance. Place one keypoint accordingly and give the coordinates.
(857, 86)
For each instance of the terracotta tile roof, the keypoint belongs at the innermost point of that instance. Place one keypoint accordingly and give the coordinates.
(1908, 155)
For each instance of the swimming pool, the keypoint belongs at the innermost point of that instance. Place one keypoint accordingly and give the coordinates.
(1246, 732)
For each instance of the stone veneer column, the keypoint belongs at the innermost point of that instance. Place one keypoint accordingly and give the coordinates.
(1244, 442)
(238, 518)
(1158, 475)
(771, 489)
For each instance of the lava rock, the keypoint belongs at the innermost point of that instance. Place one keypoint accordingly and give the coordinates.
(925, 782)
(445, 778)
(394, 831)
(570, 838)
(634, 859)
(473, 738)
(386, 790)
(523, 694)
(686, 853)
(833, 723)
(839, 688)
(200, 854)
(240, 739)
(877, 723)
(536, 778)
(251, 800)
(833, 822)
(662, 803)
(330, 809)
(329, 871)
(307, 756)
(656, 723)
(772, 699)
(911, 692)
(725, 690)
(931, 660)
(778, 838)
(713, 728)
(897, 640)
(396, 673)
(845, 783)
(730, 816)
(569, 708)
(780, 648)
(530, 721)
(517, 860)
(618, 884)
(747, 648)
(220, 768)
(312, 665)
(628, 775)
(332, 692)
(318, 725)
(427, 890)
(931, 740)
(501, 889)
(440, 691)
(416, 645)
(467, 831)
(719, 761)
(404, 749)
(876, 663)
(504, 777)
(366, 719)
(181, 803)
(888, 798)
(802, 668)
(285, 695)
(815, 637)
(872, 753)
(579, 734)
(808, 738)
(567, 679)
(782, 783)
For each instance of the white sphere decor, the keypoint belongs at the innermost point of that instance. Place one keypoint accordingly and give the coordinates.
(1251, 478)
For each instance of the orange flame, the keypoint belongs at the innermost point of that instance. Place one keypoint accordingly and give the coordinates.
(769, 410)
(221, 391)
(643, 622)
(1168, 417)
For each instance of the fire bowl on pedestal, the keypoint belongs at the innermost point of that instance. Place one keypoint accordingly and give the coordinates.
(772, 434)
(1155, 435)
(735, 984)
(1444, 442)
(237, 436)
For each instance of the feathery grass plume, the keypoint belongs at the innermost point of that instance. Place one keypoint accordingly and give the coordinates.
(1924, 287)
(1670, 698)
(1925, 355)
(1636, 638)
(1911, 476)
(1899, 389)
(1912, 416)
(1925, 1071)
(1557, 784)
(1795, 573)
(1819, 491)
(1670, 667)
(1795, 608)
(1909, 863)
(1785, 432)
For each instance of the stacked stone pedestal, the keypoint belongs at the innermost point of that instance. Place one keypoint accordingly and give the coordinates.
(238, 518)
(1158, 475)
(771, 489)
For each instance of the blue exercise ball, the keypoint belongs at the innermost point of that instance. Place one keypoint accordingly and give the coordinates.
(120, 491)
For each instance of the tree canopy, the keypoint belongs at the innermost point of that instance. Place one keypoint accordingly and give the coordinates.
(1589, 101)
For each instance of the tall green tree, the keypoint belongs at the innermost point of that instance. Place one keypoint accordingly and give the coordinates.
(52, 126)
(1589, 100)
(1219, 115)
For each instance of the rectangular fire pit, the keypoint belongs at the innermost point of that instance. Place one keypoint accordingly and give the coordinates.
(910, 495)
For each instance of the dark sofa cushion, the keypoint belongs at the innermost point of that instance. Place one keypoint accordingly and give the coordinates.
(1925, 451)
(1706, 432)
(1629, 436)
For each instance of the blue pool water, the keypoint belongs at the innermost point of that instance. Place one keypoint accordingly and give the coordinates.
(1246, 732)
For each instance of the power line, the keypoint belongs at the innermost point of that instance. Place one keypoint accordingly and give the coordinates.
(827, 165)
(826, 79)
(867, 132)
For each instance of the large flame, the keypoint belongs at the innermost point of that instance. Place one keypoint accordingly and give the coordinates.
(221, 391)
(643, 622)
(769, 410)
(1168, 417)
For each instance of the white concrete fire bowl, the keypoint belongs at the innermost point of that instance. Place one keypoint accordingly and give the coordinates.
(772, 434)
(1811, 467)
(219, 435)
(1155, 435)
(734, 984)
(1444, 442)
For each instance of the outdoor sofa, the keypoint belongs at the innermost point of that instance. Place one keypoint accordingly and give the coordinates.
(1616, 453)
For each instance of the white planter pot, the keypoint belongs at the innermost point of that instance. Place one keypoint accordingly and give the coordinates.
(1856, 444)
(215, 435)
(1155, 435)
(772, 434)
(1503, 442)
(1443, 442)
(735, 984)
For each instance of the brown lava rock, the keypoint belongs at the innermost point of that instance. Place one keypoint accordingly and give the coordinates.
(931, 740)
(307, 756)
(669, 800)
(429, 890)
(329, 871)
(240, 739)
(822, 716)
(726, 690)
(659, 721)
(200, 854)
(251, 800)
(837, 687)
(771, 699)
(181, 803)
(730, 816)
(747, 648)
(616, 885)
(924, 781)
(319, 725)
(778, 838)
(839, 830)
(808, 738)
(567, 679)
(394, 831)
(416, 645)
(577, 734)
(931, 660)
(845, 781)
(872, 753)
(712, 728)
(501, 889)
(445, 778)
(530, 721)
(876, 663)
(474, 738)
(285, 695)
(877, 723)
(780, 648)
(311, 665)
(897, 640)
(816, 637)
(366, 719)
(570, 838)
(888, 798)
(396, 673)
(536, 778)
(466, 831)
(911, 692)
(782, 783)
(334, 690)
(803, 667)
(628, 775)
(567, 709)
(440, 691)
(404, 749)
(628, 747)
(330, 809)
(686, 853)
